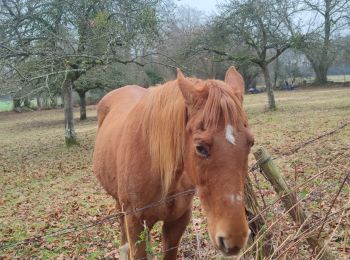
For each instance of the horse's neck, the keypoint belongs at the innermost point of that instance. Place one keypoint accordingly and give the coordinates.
(181, 182)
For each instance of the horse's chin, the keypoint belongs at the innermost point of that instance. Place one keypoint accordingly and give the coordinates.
(232, 252)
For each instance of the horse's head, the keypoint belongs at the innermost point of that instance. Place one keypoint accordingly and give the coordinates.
(218, 142)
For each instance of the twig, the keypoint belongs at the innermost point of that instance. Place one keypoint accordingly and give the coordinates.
(305, 234)
(296, 188)
(197, 240)
(275, 222)
(298, 147)
(330, 208)
(323, 250)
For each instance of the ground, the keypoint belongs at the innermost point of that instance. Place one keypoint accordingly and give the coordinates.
(46, 187)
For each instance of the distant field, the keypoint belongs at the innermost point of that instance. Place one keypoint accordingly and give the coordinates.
(5, 105)
(339, 78)
(46, 187)
(334, 78)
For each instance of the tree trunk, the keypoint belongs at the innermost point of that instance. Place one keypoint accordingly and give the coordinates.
(26, 102)
(17, 104)
(320, 67)
(82, 97)
(320, 56)
(38, 102)
(53, 101)
(276, 73)
(46, 101)
(69, 133)
(269, 90)
(320, 73)
(249, 75)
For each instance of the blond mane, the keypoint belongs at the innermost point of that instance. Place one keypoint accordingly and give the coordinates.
(164, 121)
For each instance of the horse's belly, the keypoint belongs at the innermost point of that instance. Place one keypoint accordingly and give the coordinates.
(113, 109)
(104, 167)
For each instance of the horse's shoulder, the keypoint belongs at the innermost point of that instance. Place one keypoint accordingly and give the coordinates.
(125, 95)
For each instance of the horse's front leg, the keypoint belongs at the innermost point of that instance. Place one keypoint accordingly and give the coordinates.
(172, 233)
(137, 243)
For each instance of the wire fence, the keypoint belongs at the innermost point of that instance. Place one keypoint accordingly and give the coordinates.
(284, 246)
(75, 228)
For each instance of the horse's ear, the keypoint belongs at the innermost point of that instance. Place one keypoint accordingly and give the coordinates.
(187, 89)
(235, 80)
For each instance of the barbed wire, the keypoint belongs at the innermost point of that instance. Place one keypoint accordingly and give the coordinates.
(296, 188)
(296, 148)
(312, 140)
(255, 166)
(36, 239)
(308, 232)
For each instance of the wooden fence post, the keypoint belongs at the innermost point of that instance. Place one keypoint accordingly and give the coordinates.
(257, 223)
(289, 200)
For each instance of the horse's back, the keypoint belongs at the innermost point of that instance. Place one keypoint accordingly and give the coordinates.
(112, 112)
(120, 100)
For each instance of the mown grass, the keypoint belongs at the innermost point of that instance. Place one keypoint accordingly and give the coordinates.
(339, 78)
(5, 106)
(332, 78)
(46, 187)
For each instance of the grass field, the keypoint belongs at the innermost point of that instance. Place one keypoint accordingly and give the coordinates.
(5, 105)
(334, 78)
(339, 78)
(46, 187)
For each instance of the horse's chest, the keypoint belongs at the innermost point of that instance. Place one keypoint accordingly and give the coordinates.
(177, 208)
(142, 192)
(161, 209)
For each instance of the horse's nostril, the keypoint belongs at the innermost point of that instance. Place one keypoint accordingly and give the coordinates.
(221, 243)
(226, 248)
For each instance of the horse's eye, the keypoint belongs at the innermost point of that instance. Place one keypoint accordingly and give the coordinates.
(202, 150)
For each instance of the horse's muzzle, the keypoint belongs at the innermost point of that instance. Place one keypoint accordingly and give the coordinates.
(227, 250)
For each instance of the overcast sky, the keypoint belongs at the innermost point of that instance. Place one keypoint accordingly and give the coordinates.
(208, 6)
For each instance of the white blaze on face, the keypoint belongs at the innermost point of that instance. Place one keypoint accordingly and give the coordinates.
(229, 134)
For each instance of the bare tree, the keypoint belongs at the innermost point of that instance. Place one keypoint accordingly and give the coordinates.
(328, 19)
(104, 78)
(260, 32)
(65, 39)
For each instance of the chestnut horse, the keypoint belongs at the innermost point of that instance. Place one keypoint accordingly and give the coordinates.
(157, 142)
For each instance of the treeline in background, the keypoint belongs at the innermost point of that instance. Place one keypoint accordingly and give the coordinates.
(61, 52)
